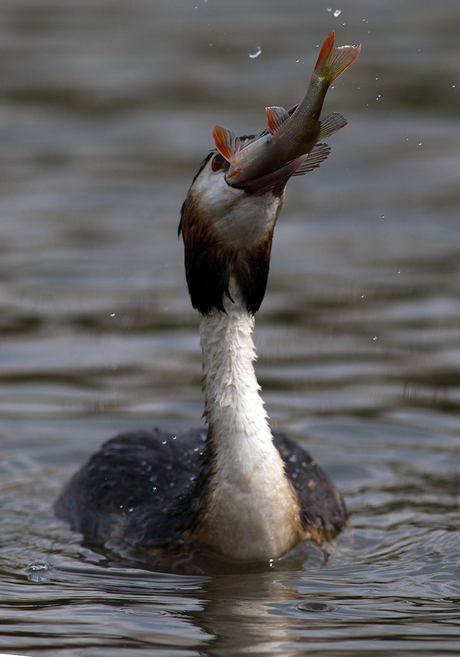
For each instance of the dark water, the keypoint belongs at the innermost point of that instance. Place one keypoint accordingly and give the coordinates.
(106, 109)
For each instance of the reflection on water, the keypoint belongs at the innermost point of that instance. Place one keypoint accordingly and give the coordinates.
(106, 110)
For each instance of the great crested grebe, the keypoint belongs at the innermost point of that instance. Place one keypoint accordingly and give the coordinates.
(236, 488)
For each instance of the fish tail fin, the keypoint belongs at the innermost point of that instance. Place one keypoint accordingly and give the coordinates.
(332, 61)
(227, 143)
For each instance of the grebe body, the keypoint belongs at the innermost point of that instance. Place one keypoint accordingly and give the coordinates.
(149, 489)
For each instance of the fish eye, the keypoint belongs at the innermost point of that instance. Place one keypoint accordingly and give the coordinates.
(218, 163)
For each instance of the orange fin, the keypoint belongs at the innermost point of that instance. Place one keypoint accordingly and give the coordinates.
(332, 61)
(276, 117)
(326, 49)
(314, 159)
(227, 143)
(332, 123)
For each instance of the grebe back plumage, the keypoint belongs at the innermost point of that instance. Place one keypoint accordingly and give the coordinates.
(236, 488)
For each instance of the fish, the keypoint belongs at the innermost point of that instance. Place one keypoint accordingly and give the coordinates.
(289, 145)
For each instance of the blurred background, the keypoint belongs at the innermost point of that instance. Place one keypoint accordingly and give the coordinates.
(106, 110)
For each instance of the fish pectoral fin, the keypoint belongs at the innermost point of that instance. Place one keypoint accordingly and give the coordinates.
(276, 117)
(314, 159)
(227, 143)
(332, 123)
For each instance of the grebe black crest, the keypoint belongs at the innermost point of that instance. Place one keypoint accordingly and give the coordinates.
(236, 488)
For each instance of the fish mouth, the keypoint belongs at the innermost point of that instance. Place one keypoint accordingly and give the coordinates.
(274, 181)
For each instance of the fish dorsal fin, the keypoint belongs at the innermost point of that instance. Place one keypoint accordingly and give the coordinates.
(227, 143)
(332, 123)
(276, 117)
(314, 159)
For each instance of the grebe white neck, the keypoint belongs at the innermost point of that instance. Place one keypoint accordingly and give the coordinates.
(252, 511)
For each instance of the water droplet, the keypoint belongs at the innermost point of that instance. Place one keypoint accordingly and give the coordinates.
(255, 53)
(163, 442)
(329, 9)
(453, 86)
(131, 509)
(374, 338)
(362, 296)
(399, 271)
(337, 12)
(112, 314)
(38, 571)
(420, 143)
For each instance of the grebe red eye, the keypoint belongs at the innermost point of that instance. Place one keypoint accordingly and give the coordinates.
(219, 162)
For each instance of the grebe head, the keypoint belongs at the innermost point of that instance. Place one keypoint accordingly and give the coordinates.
(227, 232)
